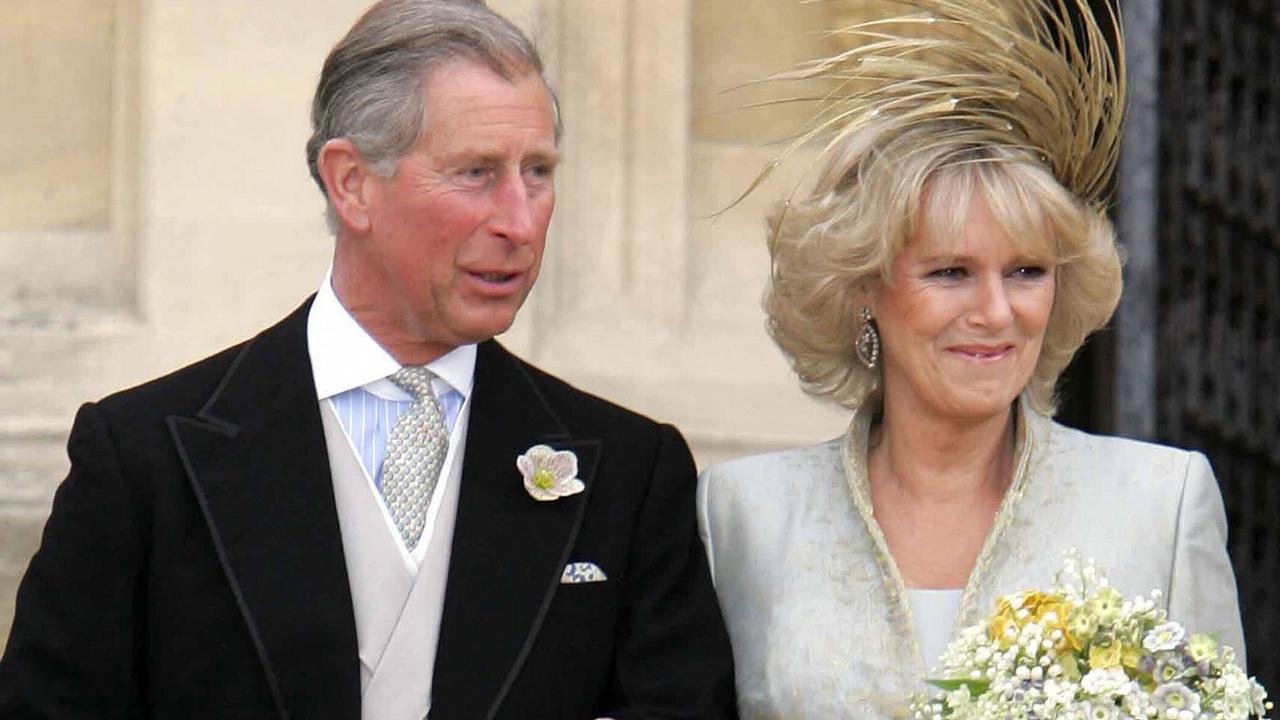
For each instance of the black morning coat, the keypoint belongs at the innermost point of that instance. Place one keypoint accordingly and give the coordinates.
(193, 566)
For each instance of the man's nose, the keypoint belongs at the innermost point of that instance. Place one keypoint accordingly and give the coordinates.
(513, 216)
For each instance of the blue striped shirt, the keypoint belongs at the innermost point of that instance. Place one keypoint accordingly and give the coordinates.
(368, 418)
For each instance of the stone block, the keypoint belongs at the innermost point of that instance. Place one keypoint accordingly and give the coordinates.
(56, 169)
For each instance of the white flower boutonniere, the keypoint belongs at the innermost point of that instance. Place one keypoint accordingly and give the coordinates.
(549, 474)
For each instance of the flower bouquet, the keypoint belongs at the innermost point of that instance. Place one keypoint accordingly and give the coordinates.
(1079, 651)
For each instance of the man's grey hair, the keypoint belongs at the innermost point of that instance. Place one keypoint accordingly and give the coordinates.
(370, 89)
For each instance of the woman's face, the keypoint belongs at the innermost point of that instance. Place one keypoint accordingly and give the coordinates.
(962, 320)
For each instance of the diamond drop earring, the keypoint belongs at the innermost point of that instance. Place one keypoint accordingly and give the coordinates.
(867, 346)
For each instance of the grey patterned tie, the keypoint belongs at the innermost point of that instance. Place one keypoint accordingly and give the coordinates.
(416, 448)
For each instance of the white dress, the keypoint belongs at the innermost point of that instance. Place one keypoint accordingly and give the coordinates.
(820, 621)
(934, 615)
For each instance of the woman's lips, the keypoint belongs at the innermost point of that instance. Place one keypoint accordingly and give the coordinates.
(982, 353)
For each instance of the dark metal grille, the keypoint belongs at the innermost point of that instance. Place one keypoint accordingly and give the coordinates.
(1218, 380)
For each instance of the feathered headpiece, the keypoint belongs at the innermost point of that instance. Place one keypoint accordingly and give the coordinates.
(1035, 74)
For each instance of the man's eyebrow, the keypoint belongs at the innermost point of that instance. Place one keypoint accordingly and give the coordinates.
(495, 156)
(550, 157)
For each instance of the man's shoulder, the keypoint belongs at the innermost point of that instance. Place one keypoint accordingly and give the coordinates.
(182, 391)
(185, 391)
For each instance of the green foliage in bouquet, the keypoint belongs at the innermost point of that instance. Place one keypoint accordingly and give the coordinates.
(1080, 651)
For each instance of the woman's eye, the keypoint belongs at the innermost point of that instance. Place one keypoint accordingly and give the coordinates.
(1030, 272)
(951, 273)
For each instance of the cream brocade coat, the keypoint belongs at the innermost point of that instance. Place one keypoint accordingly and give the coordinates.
(818, 614)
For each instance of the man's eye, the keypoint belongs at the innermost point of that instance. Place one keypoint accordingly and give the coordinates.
(478, 172)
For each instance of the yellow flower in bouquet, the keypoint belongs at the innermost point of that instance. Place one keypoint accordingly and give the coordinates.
(1202, 648)
(1104, 656)
(1105, 604)
(1013, 612)
(1053, 616)
(1032, 602)
(1081, 626)
(1130, 657)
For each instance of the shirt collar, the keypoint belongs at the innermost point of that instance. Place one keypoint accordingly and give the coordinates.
(345, 357)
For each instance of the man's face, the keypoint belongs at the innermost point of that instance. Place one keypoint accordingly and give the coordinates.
(456, 233)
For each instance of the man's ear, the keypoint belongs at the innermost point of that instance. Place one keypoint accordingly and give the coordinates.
(347, 178)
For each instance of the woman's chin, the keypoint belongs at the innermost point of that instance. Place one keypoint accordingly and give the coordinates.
(978, 406)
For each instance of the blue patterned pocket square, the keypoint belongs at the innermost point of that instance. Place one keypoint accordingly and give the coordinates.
(582, 572)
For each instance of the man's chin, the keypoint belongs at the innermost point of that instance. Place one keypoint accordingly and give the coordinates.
(484, 329)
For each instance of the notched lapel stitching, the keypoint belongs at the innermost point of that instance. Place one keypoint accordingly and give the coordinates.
(173, 422)
(206, 412)
(541, 615)
(562, 431)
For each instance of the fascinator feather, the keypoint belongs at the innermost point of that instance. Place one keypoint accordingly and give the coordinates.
(1043, 76)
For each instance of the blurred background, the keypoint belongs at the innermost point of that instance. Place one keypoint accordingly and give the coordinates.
(155, 207)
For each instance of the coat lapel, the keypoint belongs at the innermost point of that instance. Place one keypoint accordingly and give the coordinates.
(508, 549)
(256, 460)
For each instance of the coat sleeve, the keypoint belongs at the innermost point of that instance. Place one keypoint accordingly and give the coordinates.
(73, 650)
(673, 658)
(1202, 586)
(704, 521)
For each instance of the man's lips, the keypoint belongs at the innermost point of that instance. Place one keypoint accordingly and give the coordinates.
(495, 276)
(982, 352)
(497, 283)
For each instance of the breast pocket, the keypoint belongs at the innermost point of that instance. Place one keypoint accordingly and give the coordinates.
(581, 632)
(586, 600)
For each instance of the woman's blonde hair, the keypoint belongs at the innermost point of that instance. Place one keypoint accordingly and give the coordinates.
(880, 185)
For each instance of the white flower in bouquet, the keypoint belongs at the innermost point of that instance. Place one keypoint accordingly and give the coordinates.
(1105, 682)
(1080, 651)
